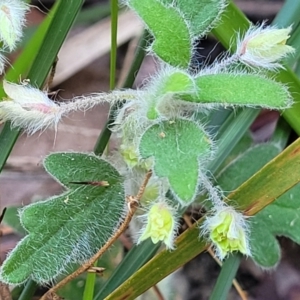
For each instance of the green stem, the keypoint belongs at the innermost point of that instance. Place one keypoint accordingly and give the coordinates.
(226, 276)
(29, 290)
(114, 46)
(88, 293)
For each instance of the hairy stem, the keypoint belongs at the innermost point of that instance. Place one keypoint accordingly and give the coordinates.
(86, 102)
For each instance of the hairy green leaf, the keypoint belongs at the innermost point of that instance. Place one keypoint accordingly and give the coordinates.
(179, 149)
(226, 89)
(201, 15)
(172, 36)
(281, 218)
(71, 227)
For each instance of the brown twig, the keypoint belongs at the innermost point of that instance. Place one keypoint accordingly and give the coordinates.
(237, 286)
(97, 270)
(2, 214)
(158, 293)
(133, 202)
(51, 75)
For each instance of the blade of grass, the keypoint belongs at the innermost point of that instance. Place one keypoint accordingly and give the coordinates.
(230, 133)
(288, 14)
(88, 293)
(113, 52)
(224, 281)
(29, 290)
(57, 30)
(26, 58)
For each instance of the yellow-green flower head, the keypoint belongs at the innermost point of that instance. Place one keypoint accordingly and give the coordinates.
(160, 224)
(264, 47)
(227, 230)
(129, 154)
(12, 19)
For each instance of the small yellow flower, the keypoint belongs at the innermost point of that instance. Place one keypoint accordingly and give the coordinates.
(161, 225)
(264, 47)
(129, 155)
(228, 232)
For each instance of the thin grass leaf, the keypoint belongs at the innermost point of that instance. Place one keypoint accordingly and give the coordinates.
(225, 278)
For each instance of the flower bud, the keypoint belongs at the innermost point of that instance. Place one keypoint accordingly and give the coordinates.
(161, 224)
(264, 47)
(227, 229)
(30, 108)
(12, 19)
(129, 154)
